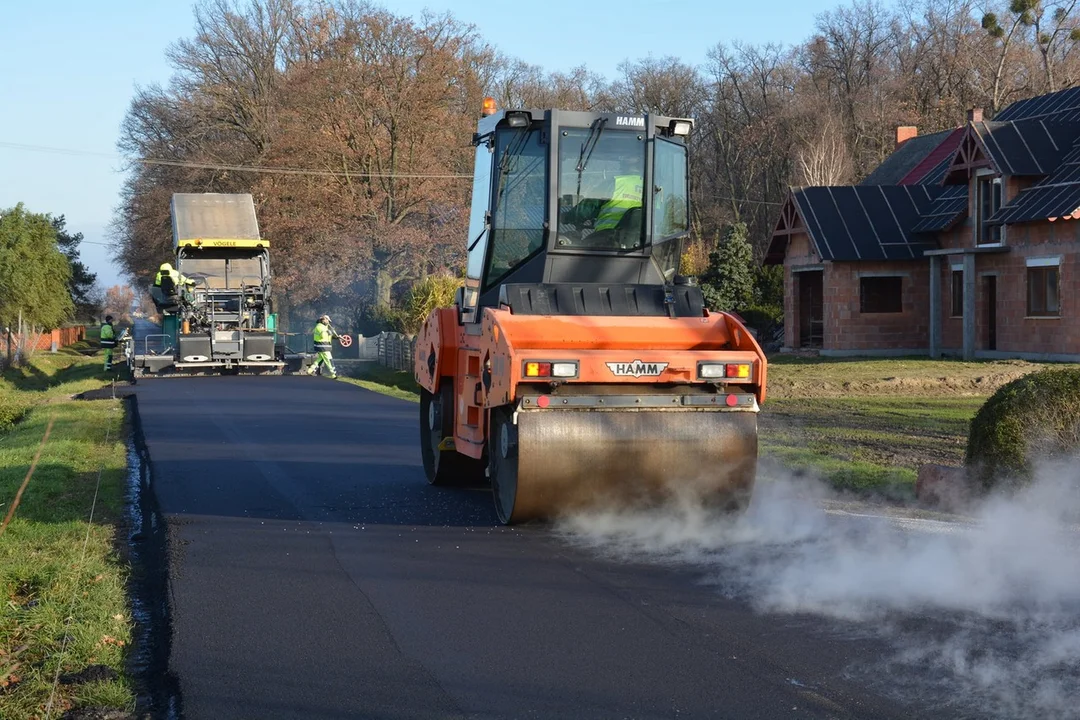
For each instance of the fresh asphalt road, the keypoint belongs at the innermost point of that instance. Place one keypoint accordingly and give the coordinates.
(315, 574)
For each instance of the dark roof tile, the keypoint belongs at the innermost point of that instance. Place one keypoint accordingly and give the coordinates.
(865, 222)
(904, 159)
(1043, 105)
(932, 169)
(948, 209)
(1056, 196)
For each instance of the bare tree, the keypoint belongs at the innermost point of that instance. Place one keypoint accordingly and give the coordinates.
(822, 158)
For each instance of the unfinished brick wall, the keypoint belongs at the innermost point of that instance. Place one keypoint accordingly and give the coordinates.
(849, 329)
(1016, 332)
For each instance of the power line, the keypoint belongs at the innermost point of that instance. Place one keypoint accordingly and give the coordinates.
(242, 168)
(293, 171)
(746, 200)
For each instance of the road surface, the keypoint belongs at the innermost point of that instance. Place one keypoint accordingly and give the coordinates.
(315, 574)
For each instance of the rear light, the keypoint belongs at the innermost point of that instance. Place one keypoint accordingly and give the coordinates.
(721, 371)
(562, 369)
(537, 369)
(711, 371)
(740, 371)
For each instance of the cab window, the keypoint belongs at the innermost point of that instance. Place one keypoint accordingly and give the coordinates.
(671, 190)
(601, 188)
(517, 232)
(481, 202)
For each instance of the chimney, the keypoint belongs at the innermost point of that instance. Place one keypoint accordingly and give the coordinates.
(905, 133)
(975, 115)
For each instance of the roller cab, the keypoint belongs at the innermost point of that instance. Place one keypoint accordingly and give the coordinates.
(577, 369)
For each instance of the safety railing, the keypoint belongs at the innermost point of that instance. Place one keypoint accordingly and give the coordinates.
(161, 348)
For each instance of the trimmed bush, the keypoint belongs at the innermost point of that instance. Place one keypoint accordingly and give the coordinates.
(1034, 418)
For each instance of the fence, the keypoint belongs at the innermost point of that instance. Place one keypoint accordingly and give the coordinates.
(50, 340)
(392, 350)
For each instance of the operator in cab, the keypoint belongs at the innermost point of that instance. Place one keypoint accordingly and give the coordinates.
(606, 203)
(170, 283)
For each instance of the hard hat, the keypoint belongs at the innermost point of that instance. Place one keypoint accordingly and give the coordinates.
(165, 266)
(324, 318)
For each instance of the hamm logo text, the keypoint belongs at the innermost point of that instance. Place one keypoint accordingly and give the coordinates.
(637, 368)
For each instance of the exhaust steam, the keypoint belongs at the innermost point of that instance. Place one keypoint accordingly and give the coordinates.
(983, 612)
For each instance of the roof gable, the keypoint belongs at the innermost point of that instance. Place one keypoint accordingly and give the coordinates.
(971, 155)
(936, 159)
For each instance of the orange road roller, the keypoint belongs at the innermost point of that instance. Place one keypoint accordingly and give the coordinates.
(577, 369)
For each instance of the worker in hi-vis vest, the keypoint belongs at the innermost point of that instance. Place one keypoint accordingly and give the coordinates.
(107, 338)
(629, 190)
(171, 282)
(323, 336)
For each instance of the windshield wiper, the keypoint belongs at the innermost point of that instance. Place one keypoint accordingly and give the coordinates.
(511, 153)
(583, 156)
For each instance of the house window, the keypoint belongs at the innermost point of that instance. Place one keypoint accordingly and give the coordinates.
(1042, 287)
(957, 293)
(881, 294)
(989, 199)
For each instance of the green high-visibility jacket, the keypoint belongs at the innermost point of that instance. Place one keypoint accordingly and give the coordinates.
(323, 337)
(628, 192)
(107, 336)
(177, 278)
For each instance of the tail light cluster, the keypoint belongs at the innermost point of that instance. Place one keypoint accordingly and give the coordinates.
(560, 369)
(725, 371)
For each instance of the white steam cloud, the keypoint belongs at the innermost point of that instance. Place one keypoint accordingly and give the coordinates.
(985, 611)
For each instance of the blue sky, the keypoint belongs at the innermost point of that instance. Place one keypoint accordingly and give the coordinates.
(68, 69)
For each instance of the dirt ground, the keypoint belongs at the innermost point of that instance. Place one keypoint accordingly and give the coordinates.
(795, 377)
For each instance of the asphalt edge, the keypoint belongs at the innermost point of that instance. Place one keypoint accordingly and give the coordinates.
(157, 688)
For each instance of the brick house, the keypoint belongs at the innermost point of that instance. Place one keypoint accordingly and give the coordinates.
(960, 243)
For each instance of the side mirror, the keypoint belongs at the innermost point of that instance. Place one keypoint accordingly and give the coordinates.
(459, 304)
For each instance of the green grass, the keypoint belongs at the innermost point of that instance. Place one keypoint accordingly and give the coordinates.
(867, 443)
(60, 576)
(374, 377)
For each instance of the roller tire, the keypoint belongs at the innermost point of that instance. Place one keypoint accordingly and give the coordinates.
(444, 468)
(503, 466)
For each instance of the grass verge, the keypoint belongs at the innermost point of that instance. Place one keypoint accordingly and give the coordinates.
(63, 598)
(375, 377)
